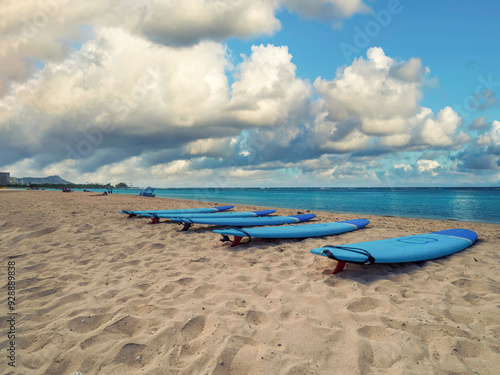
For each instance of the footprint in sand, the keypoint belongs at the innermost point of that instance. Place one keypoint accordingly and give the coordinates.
(169, 288)
(68, 299)
(157, 246)
(143, 287)
(363, 304)
(467, 349)
(84, 228)
(457, 316)
(202, 290)
(476, 287)
(243, 278)
(94, 340)
(130, 354)
(376, 333)
(193, 327)
(474, 299)
(365, 357)
(238, 353)
(262, 289)
(36, 267)
(41, 232)
(126, 326)
(40, 292)
(185, 281)
(86, 323)
(380, 355)
(256, 318)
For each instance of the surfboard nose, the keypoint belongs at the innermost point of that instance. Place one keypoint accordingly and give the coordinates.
(304, 217)
(462, 233)
(223, 208)
(360, 223)
(263, 212)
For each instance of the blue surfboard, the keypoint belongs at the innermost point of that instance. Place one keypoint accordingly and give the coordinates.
(292, 231)
(180, 211)
(400, 250)
(245, 221)
(156, 217)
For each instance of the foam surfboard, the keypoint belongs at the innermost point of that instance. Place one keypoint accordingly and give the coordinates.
(400, 250)
(292, 231)
(156, 217)
(245, 221)
(180, 211)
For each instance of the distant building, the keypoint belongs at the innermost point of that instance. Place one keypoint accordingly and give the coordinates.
(4, 178)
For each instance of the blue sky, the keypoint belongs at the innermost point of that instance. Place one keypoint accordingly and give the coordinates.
(456, 39)
(252, 93)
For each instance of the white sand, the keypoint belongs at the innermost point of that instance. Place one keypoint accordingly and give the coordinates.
(98, 293)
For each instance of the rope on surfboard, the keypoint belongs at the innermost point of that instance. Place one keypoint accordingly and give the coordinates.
(155, 219)
(237, 239)
(341, 263)
(130, 213)
(188, 223)
(370, 259)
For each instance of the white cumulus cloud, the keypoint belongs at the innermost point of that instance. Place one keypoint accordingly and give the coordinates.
(438, 131)
(327, 9)
(368, 91)
(431, 167)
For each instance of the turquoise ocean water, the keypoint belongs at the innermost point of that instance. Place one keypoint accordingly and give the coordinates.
(462, 204)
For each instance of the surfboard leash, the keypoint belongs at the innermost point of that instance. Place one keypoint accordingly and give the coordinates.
(370, 259)
(237, 239)
(341, 263)
(130, 213)
(188, 223)
(155, 219)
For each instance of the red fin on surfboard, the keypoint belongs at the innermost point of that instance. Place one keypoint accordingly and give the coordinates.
(339, 267)
(236, 241)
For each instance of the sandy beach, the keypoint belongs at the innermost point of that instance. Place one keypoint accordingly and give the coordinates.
(98, 293)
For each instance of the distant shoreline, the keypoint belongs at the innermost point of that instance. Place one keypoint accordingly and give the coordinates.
(478, 205)
(454, 204)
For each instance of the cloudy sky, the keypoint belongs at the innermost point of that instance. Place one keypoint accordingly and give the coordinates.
(179, 93)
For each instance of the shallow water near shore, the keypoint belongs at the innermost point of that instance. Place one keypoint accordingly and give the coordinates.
(461, 204)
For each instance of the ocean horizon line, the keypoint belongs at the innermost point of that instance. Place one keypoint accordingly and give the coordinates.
(323, 188)
(472, 204)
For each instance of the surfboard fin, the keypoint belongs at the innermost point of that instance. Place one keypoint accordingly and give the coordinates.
(341, 264)
(236, 240)
(154, 219)
(339, 267)
(186, 226)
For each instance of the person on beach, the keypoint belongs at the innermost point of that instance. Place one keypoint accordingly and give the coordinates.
(100, 195)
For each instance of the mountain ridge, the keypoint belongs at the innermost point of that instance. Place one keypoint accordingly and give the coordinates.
(43, 180)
